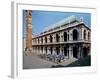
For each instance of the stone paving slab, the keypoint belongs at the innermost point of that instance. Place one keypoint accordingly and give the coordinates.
(34, 62)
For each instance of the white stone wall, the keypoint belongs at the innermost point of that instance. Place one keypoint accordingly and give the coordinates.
(80, 31)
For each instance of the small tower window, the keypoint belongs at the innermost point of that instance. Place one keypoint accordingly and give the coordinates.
(30, 14)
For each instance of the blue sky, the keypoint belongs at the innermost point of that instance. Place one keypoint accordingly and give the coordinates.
(42, 19)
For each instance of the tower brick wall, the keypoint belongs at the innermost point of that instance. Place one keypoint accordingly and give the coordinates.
(29, 30)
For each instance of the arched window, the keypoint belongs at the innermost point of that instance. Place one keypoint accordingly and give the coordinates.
(66, 51)
(45, 39)
(88, 35)
(75, 35)
(57, 50)
(57, 38)
(84, 34)
(65, 36)
(50, 38)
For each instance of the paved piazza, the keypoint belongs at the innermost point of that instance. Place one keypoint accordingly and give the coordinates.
(33, 61)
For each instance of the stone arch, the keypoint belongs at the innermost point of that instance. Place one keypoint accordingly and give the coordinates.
(45, 39)
(75, 34)
(57, 38)
(84, 34)
(51, 39)
(57, 50)
(66, 50)
(65, 36)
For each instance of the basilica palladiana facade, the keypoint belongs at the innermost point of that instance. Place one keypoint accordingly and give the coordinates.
(70, 37)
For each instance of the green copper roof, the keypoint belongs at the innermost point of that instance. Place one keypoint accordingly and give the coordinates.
(66, 20)
(62, 22)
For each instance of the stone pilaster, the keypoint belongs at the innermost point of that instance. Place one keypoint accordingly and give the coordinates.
(70, 52)
(54, 38)
(79, 52)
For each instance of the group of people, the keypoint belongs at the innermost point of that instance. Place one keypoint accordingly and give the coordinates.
(54, 57)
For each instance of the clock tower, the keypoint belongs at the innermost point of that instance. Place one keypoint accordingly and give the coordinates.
(28, 30)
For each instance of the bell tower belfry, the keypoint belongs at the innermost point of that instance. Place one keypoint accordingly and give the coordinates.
(28, 30)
